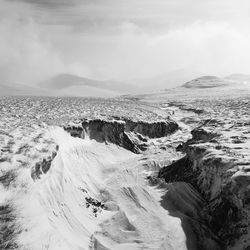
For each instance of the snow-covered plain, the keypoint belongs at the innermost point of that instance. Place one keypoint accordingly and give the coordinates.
(61, 192)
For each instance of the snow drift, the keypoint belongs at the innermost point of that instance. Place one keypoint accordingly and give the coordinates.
(88, 195)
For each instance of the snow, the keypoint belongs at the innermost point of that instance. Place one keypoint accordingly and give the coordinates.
(52, 211)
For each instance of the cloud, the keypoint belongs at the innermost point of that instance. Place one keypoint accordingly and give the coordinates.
(50, 3)
(121, 38)
(215, 47)
(27, 55)
(211, 47)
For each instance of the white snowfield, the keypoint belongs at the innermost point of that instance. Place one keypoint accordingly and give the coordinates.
(94, 196)
(60, 192)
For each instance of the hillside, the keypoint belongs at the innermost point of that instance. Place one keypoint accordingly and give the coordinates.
(72, 85)
(13, 89)
(165, 80)
(207, 82)
(243, 78)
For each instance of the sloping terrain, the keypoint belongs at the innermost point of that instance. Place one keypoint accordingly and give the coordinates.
(11, 89)
(72, 85)
(61, 192)
(244, 78)
(234, 81)
(207, 82)
(158, 171)
(169, 79)
(86, 91)
(215, 159)
(67, 85)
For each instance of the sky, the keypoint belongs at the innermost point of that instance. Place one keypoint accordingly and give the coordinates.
(122, 39)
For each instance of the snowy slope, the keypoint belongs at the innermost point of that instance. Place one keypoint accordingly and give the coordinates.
(72, 85)
(93, 196)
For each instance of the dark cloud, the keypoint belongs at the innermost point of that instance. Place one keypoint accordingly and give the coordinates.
(50, 3)
(105, 16)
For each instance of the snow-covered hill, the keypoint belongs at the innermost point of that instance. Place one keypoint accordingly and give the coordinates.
(207, 82)
(72, 85)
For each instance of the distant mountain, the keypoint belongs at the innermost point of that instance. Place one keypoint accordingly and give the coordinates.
(13, 89)
(166, 80)
(72, 85)
(207, 82)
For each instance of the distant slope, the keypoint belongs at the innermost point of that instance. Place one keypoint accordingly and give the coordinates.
(13, 89)
(87, 91)
(166, 80)
(72, 85)
(66, 80)
(207, 82)
(243, 78)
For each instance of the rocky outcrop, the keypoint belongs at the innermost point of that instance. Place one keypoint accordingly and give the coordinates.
(7, 178)
(125, 133)
(219, 179)
(179, 171)
(8, 227)
(104, 131)
(152, 129)
(202, 134)
(109, 131)
(186, 107)
(42, 167)
(183, 201)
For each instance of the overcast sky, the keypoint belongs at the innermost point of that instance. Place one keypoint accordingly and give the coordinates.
(122, 39)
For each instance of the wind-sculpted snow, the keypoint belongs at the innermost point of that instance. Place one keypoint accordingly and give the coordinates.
(93, 196)
(21, 151)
